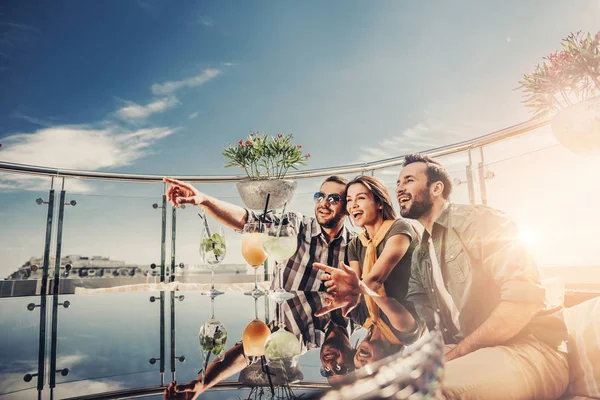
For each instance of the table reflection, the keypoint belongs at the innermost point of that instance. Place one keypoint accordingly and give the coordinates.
(328, 350)
(267, 355)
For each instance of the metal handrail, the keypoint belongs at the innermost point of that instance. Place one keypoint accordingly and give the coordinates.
(480, 141)
(221, 386)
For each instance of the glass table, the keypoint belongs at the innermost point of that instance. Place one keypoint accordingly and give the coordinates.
(121, 344)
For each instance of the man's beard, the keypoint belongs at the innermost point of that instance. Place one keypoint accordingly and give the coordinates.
(333, 222)
(421, 205)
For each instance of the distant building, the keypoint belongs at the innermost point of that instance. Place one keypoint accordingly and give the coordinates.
(75, 266)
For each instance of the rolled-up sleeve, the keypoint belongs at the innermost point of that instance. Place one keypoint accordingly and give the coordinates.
(509, 260)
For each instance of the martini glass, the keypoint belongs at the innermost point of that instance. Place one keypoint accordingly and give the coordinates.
(253, 235)
(280, 244)
(212, 252)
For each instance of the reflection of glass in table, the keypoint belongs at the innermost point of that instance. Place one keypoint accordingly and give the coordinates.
(213, 339)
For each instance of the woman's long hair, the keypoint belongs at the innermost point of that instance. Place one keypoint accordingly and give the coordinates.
(380, 193)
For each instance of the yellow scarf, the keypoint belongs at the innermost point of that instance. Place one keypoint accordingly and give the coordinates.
(367, 265)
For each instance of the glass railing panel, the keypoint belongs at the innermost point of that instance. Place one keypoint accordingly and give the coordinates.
(22, 230)
(19, 349)
(103, 336)
(550, 193)
(112, 235)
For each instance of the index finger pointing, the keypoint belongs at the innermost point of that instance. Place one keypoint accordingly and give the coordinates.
(323, 267)
(175, 182)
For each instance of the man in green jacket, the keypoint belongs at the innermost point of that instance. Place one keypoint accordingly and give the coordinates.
(471, 269)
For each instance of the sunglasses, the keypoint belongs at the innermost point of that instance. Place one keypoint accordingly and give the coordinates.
(332, 198)
(338, 370)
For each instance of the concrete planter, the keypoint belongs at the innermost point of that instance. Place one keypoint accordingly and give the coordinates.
(578, 127)
(254, 192)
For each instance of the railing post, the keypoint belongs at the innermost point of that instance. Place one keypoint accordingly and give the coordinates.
(163, 234)
(44, 291)
(162, 338)
(54, 341)
(470, 185)
(173, 241)
(61, 215)
(481, 175)
(55, 303)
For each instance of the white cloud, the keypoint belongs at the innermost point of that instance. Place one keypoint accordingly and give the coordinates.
(134, 111)
(418, 138)
(80, 147)
(206, 21)
(32, 183)
(193, 115)
(198, 80)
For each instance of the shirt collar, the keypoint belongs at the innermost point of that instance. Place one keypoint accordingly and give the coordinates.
(442, 219)
(316, 231)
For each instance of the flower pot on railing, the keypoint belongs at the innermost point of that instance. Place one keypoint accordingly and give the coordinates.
(254, 192)
(578, 127)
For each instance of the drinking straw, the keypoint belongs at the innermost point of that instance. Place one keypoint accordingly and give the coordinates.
(205, 224)
(281, 220)
(266, 205)
(208, 233)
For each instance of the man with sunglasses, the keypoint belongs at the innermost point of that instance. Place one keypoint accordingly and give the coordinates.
(322, 238)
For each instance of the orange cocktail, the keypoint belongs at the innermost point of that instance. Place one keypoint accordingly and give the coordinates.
(252, 250)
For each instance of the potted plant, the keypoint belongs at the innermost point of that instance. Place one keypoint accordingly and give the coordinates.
(266, 160)
(566, 87)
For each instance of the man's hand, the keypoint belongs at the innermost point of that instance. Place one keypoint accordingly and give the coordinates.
(183, 193)
(187, 391)
(342, 280)
(453, 354)
(342, 287)
(334, 301)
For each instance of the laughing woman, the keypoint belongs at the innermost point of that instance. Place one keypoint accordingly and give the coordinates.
(381, 257)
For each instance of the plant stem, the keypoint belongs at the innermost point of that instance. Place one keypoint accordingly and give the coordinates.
(559, 106)
(564, 96)
(593, 78)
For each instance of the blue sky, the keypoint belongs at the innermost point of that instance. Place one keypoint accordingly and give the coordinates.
(160, 87)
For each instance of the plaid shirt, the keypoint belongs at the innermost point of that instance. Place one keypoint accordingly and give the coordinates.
(300, 319)
(299, 273)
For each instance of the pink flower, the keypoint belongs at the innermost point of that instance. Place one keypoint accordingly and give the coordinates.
(248, 143)
(299, 146)
(279, 136)
(597, 37)
(241, 142)
(307, 155)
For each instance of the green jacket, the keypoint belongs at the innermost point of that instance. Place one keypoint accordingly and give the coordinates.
(483, 262)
